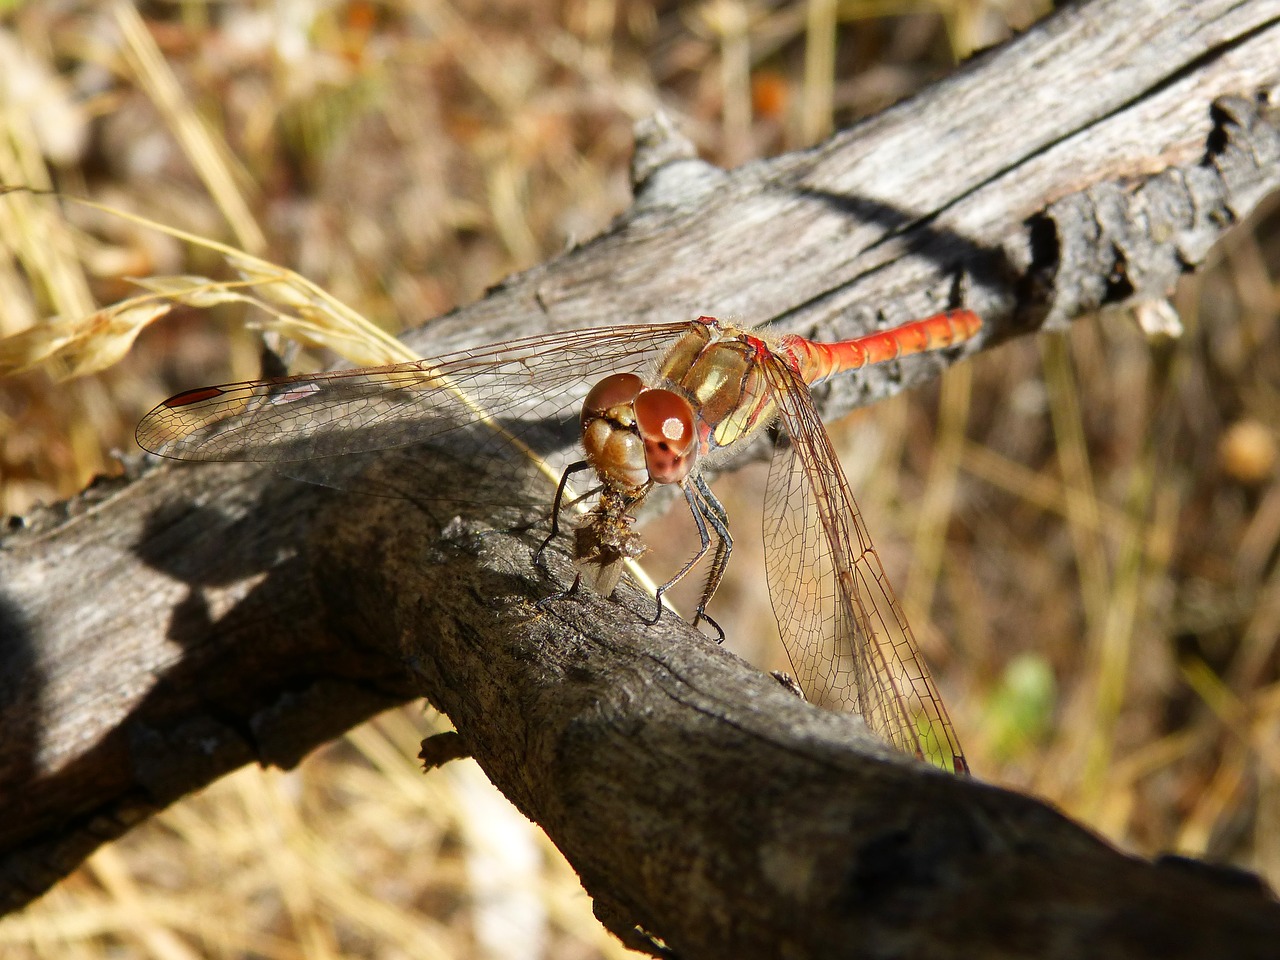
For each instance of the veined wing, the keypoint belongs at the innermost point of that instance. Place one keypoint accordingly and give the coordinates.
(505, 391)
(842, 626)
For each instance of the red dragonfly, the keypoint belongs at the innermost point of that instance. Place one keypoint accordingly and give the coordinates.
(681, 394)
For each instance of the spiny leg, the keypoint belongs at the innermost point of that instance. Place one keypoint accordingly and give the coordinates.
(718, 519)
(707, 511)
(556, 506)
(703, 536)
(570, 591)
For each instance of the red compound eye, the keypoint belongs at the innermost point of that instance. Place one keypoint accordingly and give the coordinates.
(666, 425)
(609, 437)
(612, 391)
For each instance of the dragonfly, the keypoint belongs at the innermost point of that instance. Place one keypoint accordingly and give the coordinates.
(668, 400)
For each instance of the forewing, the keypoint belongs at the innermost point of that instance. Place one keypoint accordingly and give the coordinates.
(843, 628)
(512, 395)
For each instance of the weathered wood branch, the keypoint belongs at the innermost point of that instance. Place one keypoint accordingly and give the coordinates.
(161, 630)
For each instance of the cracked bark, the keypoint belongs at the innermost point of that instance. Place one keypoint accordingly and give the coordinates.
(166, 628)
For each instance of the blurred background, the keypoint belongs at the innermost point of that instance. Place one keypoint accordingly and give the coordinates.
(1084, 528)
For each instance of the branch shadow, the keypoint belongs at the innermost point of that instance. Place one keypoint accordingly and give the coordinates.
(983, 275)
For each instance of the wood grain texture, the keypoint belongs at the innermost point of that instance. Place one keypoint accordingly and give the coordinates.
(164, 629)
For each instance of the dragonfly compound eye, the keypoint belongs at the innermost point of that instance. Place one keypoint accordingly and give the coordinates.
(613, 391)
(667, 428)
(608, 430)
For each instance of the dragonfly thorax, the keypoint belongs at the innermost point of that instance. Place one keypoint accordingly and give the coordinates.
(724, 378)
(634, 435)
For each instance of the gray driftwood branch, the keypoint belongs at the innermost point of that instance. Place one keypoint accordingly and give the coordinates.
(162, 630)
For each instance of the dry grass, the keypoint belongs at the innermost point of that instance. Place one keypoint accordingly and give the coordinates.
(1092, 521)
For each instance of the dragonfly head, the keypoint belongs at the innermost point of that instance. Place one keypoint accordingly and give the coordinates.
(633, 435)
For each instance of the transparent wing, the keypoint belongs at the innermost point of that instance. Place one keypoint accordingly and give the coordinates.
(517, 394)
(843, 628)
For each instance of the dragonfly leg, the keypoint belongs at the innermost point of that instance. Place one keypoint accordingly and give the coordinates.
(709, 517)
(575, 467)
(705, 546)
(702, 617)
(565, 594)
(718, 519)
